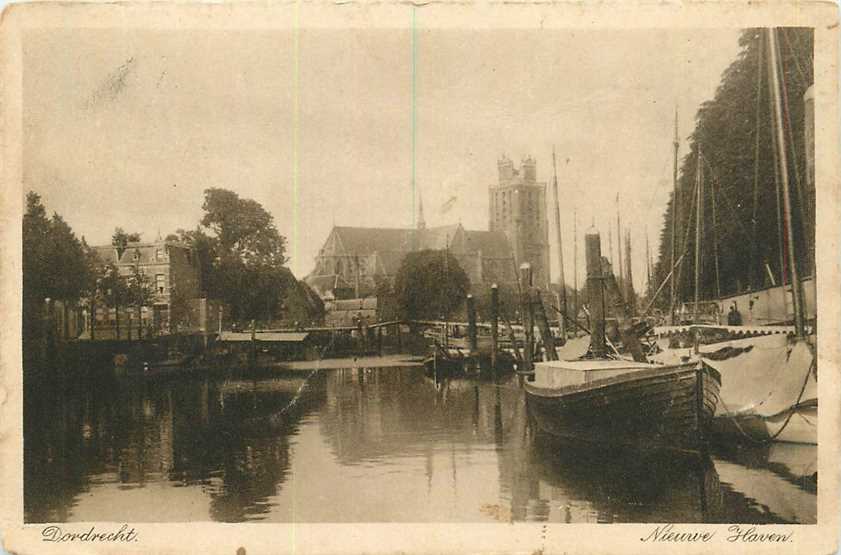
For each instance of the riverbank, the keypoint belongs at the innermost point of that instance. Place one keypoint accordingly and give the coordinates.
(352, 362)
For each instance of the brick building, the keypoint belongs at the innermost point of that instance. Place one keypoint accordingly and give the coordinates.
(173, 271)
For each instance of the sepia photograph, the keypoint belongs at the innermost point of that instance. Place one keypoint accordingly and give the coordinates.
(421, 274)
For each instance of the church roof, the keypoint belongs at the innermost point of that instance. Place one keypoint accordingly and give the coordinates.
(367, 240)
(392, 244)
(493, 244)
(438, 238)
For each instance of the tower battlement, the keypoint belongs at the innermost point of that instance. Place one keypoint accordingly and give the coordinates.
(518, 208)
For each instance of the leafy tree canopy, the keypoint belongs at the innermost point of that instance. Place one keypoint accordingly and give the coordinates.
(54, 260)
(430, 284)
(241, 255)
(733, 134)
(245, 231)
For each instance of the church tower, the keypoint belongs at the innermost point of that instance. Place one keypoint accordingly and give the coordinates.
(518, 209)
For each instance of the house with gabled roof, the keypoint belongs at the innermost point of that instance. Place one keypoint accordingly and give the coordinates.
(173, 271)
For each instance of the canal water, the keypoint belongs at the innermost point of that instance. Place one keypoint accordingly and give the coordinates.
(377, 445)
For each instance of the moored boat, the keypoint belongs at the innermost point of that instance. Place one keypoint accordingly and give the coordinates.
(769, 381)
(624, 402)
(445, 363)
(598, 399)
(771, 391)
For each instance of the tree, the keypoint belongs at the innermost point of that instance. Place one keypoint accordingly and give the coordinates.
(54, 267)
(246, 255)
(430, 284)
(387, 308)
(509, 303)
(731, 129)
(36, 228)
(243, 228)
(68, 272)
(113, 288)
(140, 293)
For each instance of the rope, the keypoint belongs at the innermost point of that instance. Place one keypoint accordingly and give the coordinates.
(297, 395)
(787, 420)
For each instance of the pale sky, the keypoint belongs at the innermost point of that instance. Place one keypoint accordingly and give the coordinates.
(128, 127)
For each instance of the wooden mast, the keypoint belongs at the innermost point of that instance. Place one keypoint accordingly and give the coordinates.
(715, 242)
(629, 276)
(446, 301)
(773, 71)
(675, 207)
(698, 225)
(562, 320)
(621, 274)
(575, 264)
(647, 267)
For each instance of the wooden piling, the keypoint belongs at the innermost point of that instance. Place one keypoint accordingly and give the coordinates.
(528, 313)
(595, 291)
(513, 339)
(93, 315)
(471, 325)
(545, 330)
(494, 325)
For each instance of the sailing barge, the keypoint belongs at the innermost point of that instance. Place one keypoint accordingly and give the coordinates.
(770, 388)
(636, 403)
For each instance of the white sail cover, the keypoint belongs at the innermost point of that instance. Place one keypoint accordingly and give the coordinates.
(763, 375)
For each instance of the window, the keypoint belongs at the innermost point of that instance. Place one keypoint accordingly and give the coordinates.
(160, 283)
(159, 254)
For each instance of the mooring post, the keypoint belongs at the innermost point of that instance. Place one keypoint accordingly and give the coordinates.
(528, 313)
(93, 314)
(494, 325)
(545, 330)
(253, 353)
(595, 291)
(471, 325)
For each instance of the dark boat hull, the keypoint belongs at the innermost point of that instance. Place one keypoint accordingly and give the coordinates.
(440, 367)
(667, 407)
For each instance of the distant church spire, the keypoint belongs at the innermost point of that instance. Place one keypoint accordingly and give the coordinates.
(421, 222)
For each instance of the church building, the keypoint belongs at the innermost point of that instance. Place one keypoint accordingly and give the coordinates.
(354, 259)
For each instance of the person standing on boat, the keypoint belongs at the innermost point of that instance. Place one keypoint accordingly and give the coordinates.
(734, 318)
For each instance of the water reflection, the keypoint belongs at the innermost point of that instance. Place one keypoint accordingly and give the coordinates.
(369, 445)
